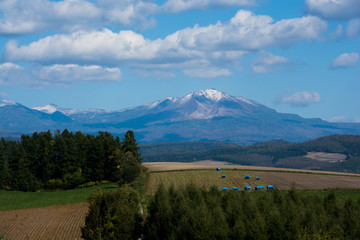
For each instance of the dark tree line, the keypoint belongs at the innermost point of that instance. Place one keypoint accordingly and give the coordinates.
(66, 160)
(188, 213)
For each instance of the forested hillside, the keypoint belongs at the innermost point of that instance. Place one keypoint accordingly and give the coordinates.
(66, 160)
(276, 153)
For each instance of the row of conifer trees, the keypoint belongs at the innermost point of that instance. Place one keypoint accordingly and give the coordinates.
(65, 160)
(188, 213)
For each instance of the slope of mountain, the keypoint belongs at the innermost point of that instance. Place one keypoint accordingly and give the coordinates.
(18, 118)
(207, 115)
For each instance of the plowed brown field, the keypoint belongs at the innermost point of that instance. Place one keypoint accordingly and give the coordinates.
(55, 222)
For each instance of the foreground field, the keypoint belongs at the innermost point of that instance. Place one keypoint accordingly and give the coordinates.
(65, 221)
(56, 222)
(13, 200)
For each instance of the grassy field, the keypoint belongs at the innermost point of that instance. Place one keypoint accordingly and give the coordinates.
(203, 178)
(11, 200)
(40, 214)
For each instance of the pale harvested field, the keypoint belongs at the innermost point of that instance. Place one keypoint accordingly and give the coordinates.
(280, 177)
(326, 157)
(170, 166)
(55, 222)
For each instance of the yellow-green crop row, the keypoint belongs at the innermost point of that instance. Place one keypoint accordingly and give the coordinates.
(205, 179)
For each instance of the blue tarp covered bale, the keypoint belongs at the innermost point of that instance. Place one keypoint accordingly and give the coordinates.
(247, 177)
(270, 187)
(224, 188)
(235, 188)
(223, 176)
(247, 188)
(218, 169)
(257, 178)
(259, 187)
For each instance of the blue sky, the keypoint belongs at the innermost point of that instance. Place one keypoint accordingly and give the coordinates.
(298, 56)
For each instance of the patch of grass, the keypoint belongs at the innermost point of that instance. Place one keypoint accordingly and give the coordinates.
(12, 200)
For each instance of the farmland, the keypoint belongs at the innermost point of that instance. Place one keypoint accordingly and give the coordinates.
(182, 173)
(202, 178)
(64, 221)
(55, 222)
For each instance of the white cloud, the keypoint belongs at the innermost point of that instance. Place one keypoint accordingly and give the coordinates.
(299, 99)
(206, 52)
(353, 28)
(185, 5)
(220, 43)
(334, 9)
(337, 33)
(26, 17)
(345, 60)
(339, 119)
(267, 62)
(10, 73)
(74, 72)
(207, 72)
(23, 16)
(247, 31)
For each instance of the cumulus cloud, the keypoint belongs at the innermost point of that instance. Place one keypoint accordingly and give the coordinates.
(299, 99)
(74, 72)
(353, 28)
(334, 9)
(207, 72)
(345, 60)
(267, 62)
(337, 33)
(26, 17)
(185, 5)
(23, 16)
(217, 47)
(10, 73)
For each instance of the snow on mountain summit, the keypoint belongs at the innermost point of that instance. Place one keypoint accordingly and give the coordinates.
(50, 108)
(7, 103)
(212, 94)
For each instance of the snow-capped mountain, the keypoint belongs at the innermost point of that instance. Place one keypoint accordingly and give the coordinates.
(207, 115)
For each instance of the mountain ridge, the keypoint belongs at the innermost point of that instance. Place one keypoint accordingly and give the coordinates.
(207, 115)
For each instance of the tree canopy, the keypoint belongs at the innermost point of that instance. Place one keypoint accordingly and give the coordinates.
(66, 160)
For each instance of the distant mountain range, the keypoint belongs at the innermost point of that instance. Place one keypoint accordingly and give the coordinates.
(207, 115)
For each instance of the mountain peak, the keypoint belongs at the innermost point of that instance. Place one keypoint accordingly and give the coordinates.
(50, 108)
(7, 103)
(212, 94)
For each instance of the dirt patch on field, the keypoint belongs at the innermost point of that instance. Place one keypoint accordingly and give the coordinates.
(283, 180)
(326, 157)
(55, 222)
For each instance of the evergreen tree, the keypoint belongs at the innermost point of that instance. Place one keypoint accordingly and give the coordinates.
(113, 215)
(130, 145)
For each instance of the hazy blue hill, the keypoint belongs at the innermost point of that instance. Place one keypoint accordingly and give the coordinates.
(277, 153)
